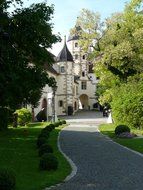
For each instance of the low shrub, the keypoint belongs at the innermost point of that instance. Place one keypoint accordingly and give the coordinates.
(7, 179)
(48, 162)
(24, 116)
(56, 124)
(45, 130)
(50, 127)
(121, 129)
(64, 122)
(41, 141)
(45, 148)
(43, 134)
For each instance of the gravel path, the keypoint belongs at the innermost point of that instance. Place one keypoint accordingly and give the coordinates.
(101, 164)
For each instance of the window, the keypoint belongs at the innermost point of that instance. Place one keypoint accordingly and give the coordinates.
(83, 57)
(60, 103)
(76, 56)
(83, 85)
(76, 44)
(62, 69)
(83, 73)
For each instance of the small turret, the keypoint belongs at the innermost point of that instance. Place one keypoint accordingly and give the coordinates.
(65, 54)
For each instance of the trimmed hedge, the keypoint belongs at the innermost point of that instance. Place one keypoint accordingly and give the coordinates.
(121, 129)
(45, 148)
(48, 162)
(41, 141)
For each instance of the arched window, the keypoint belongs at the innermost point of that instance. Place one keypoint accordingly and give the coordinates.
(60, 103)
(76, 44)
(62, 69)
(83, 57)
(76, 56)
(83, 73)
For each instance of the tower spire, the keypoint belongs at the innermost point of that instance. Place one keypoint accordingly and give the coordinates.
(65, 39)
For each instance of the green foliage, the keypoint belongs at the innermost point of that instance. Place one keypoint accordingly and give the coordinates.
(41, 140)
(7, 179)
(3, 118)
(25, 36)
(121, 129)
(44, 133)
(45, 148)
(48, 162)
(64, 122)
(50, 127)
(127, 103)
(24, 116)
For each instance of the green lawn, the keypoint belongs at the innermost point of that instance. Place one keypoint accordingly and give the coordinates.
(134, 143)
(18, 151)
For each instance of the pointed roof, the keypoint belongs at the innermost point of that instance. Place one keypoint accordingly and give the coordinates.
(65, 54)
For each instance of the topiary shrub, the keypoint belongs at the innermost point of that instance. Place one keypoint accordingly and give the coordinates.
(41, 141)
(41, 116)
(46, 135)
(50, 127)
(45, 148)
(48, 162)
(24, 116)
(121, 129)
(46, 130)
(64, 122)
(56, 124)
(7, 179)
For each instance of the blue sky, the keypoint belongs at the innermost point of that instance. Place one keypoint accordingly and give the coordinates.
(66, 12)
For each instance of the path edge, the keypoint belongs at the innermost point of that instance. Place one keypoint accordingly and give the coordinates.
(72, 164)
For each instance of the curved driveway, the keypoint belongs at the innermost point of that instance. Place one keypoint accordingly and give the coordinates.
(101, 164)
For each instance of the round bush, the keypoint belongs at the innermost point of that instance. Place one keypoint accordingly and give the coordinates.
(7, 179)
(63, 121)
(45, 148)
(46, 135)
(48, 162)
(41, 141)
(50, 127)
(121, 129)
(56, 124)
(24, 116)
(45, 131)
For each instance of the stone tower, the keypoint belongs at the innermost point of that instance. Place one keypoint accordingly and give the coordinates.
(83, 69)
(65, 79)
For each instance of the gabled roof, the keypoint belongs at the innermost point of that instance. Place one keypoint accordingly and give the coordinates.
(65, 54)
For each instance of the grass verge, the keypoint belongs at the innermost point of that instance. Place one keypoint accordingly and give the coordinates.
(18, 152)
(133, 143)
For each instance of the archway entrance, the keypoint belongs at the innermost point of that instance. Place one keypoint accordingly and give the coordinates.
(44, 105)
(83, 102)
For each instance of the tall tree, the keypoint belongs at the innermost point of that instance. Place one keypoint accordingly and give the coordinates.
(88, 28)
(25, 35)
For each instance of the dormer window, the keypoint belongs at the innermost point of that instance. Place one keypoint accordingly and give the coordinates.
(76, 44)
(62, 69)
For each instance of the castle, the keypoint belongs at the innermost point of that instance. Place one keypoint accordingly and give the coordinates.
(76, 82)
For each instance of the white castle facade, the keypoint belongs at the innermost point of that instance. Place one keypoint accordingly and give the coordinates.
(76, 82)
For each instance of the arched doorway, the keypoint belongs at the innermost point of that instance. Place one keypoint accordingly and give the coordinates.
(44, 105)
(83, 102)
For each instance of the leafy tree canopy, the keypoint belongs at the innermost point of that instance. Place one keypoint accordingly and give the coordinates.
(25, 35)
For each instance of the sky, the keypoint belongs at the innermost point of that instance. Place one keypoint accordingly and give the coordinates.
(66, 12)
